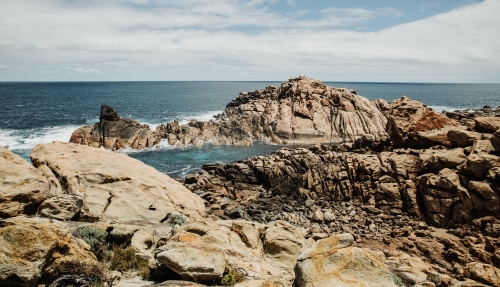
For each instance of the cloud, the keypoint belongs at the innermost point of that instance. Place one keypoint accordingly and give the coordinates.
(83, 71)
(242, 40)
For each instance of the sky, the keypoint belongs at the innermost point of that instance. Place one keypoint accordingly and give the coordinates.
(448, 41)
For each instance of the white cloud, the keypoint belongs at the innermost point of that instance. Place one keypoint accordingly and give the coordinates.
(240, 40)
(83, 71)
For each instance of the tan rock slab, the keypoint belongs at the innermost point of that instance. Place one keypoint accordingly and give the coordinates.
(115, 186)
(333, 262)
(23, 188)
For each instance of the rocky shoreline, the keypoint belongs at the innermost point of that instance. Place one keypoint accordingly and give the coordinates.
(300, 111)
(411, 197)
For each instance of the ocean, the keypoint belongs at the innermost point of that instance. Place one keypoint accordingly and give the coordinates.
(40, 112)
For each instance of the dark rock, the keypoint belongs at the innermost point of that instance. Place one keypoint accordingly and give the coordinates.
(108, 113)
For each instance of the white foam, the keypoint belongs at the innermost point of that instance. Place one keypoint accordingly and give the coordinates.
(206, 116)
(163, 144)
(443, 108)
(27, 139)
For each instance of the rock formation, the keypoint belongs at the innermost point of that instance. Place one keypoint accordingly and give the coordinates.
(301, 111)
(304, 111)
(412, 200)
(34, 251)
(413, 125)
(202, 249)
(333, 262)
(197, 133)
(113, 132)
(114, 186)
(400, 198)
(23, 188)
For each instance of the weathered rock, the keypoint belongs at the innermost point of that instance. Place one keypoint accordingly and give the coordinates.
(436, 159)
(411, 124)
(495, 141)
(202, 249)
(283, 243)
(484, 273)
(482, 147)
(23, 187)
(411, 270)
(463, 138)
(61, 207)
(203, 263)
(176, 283)
(332, 262)
(108, 113)
(445, 198)
(197, 133)
(113, 132)
(115, 186)
(32, 249)
(304, 110)
(486, 124)
(478, 166)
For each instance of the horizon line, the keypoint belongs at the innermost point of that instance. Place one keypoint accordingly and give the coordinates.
(270, 81)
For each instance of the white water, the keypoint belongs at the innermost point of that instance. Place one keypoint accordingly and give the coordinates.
(443, 108)
(27, 139)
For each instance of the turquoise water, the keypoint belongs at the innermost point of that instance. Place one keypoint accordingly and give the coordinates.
(40, 112)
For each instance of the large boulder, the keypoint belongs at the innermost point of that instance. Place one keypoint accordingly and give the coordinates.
(487, 124)
(444, 198)
(201, 250)
(115, 186)
(495, 141)
(34, 251)
(484, 273)
(478, 165)
(61, 207)
(113, 132)
(435, 159)
(23, 187)
(305, 110)
(412, 124)
(334, 262)
(463, 138)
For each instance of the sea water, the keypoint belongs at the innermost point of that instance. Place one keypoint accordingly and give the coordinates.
(40, 112)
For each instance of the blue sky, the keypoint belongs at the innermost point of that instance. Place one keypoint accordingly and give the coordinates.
(388, 41)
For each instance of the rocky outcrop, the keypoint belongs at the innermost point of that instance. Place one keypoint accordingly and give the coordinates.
(484, 273)
(201, 250)
(466, 117)
(198, 133)
(303, 111)
(23, 188)
(61, 207)
(334, 262)
(495, 141)
(34, 251)
(411, 124)
(113, 132)
(487, 124)
(114, 186)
